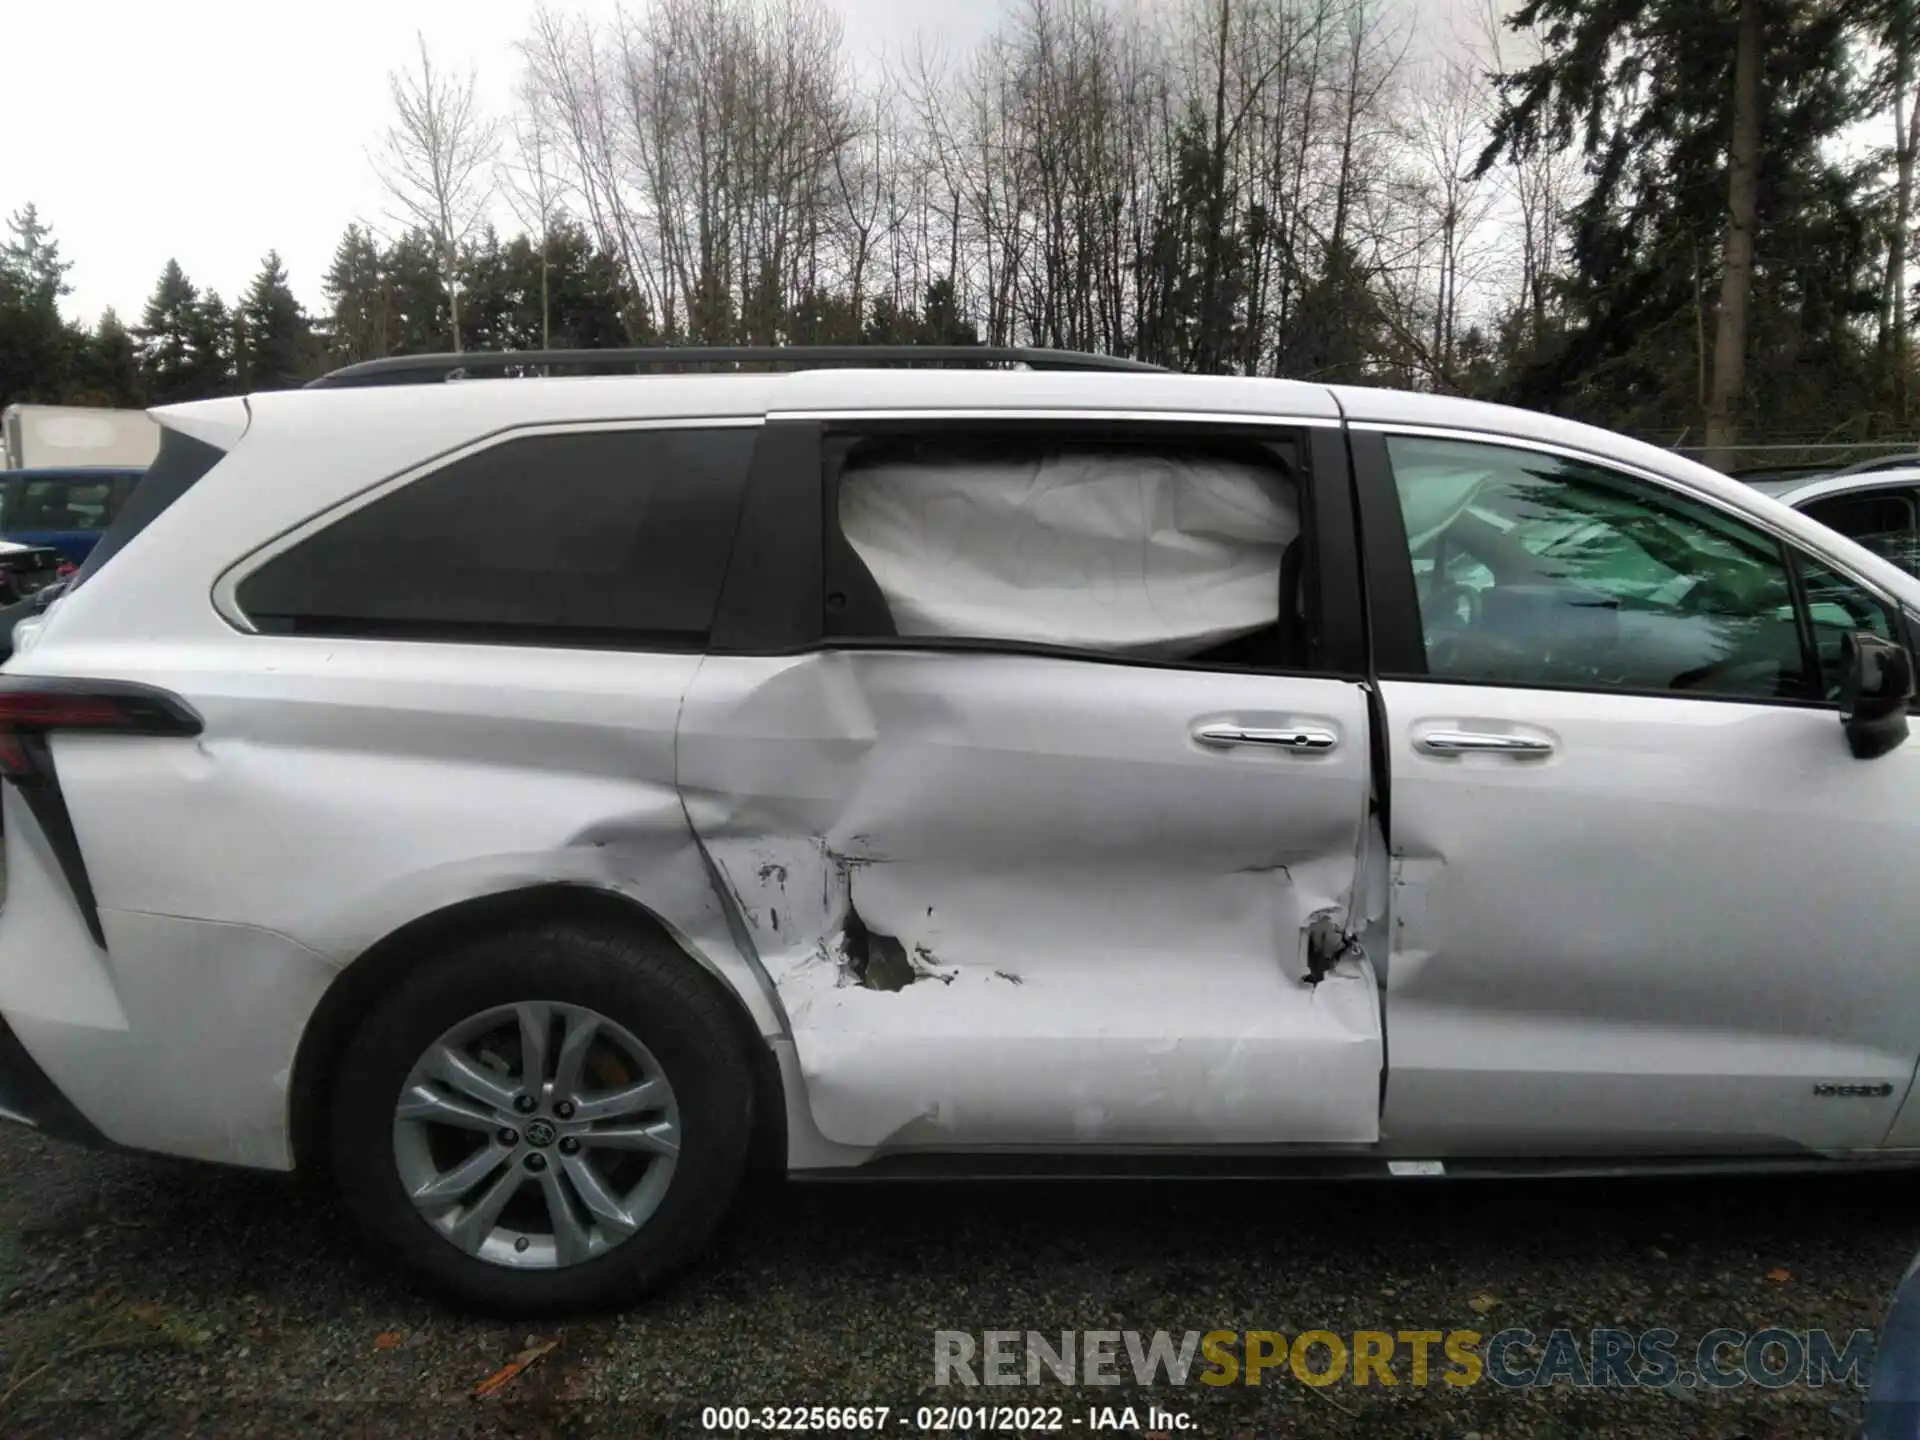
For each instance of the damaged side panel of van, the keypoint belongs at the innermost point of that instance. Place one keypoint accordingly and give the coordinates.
(1009, 900)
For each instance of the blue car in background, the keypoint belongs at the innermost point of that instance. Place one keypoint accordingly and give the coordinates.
(63, 509)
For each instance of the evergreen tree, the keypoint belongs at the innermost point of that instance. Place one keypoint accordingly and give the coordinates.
(421, 313)
(586, 301)
(713, 317)
(274, 341)
(107, 369)
(32, 254)
(213, 347)
(184, 341)
(637, 318)
(942, 322)
(1665, 99)
(935, 323)
(37, 347)
(888, 322)
(490, 297)
(1338, 330)
(591, 304)
(824, 318)
(359, 322)
(166, 335)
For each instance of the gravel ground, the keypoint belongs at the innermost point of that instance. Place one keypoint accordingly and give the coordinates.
(142, 1296)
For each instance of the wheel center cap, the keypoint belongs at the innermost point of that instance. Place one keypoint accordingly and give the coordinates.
(540, 1132)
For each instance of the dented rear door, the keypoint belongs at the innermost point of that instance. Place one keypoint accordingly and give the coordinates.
(1013, 895)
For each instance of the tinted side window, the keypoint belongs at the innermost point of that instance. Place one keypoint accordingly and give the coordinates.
(1881, 520)
(610, 538)
(63, 503)
(1536, 570)
(1836, 608)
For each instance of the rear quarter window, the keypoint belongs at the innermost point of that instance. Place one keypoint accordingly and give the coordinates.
(1881, 512)
(1881, 520)
(607, 538)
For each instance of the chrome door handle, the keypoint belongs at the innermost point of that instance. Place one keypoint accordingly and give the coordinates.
(1463, 742)
(1308, 739)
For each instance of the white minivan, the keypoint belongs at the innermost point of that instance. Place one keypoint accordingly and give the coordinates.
(524, 800)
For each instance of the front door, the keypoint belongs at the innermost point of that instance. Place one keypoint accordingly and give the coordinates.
(1041, 838)
(1644, 897)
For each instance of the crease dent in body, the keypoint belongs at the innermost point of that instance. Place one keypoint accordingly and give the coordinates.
(1413, 947)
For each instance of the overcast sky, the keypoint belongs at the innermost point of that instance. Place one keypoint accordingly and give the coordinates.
(215, 130)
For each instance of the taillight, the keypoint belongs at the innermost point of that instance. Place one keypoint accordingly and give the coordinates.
(31, 706)
(64, 569)
(59, 712)
(34, 706)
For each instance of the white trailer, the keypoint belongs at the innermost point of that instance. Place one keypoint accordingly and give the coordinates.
(45, 437)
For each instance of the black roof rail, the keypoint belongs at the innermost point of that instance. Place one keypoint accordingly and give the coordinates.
(1885, 462)
(426, 369)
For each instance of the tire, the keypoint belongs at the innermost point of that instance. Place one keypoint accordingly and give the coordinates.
(530, 994)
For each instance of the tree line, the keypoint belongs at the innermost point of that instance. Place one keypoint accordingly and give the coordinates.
(383, 298)
(1691, 219)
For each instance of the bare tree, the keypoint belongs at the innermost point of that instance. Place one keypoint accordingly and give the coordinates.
(1432, 227)
(567, 78)
(938, 157)
(867, 186)
(436, 162)
(708, 141)
(531, 180)
(1370, 66)
(1160, 179)
(1536, 183)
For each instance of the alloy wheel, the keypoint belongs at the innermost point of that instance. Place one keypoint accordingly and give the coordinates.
(536, 1135)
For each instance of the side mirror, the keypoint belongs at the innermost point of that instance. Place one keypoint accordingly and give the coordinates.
(1875, 694)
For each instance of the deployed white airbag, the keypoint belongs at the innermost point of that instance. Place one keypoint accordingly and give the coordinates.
(1156, 554)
